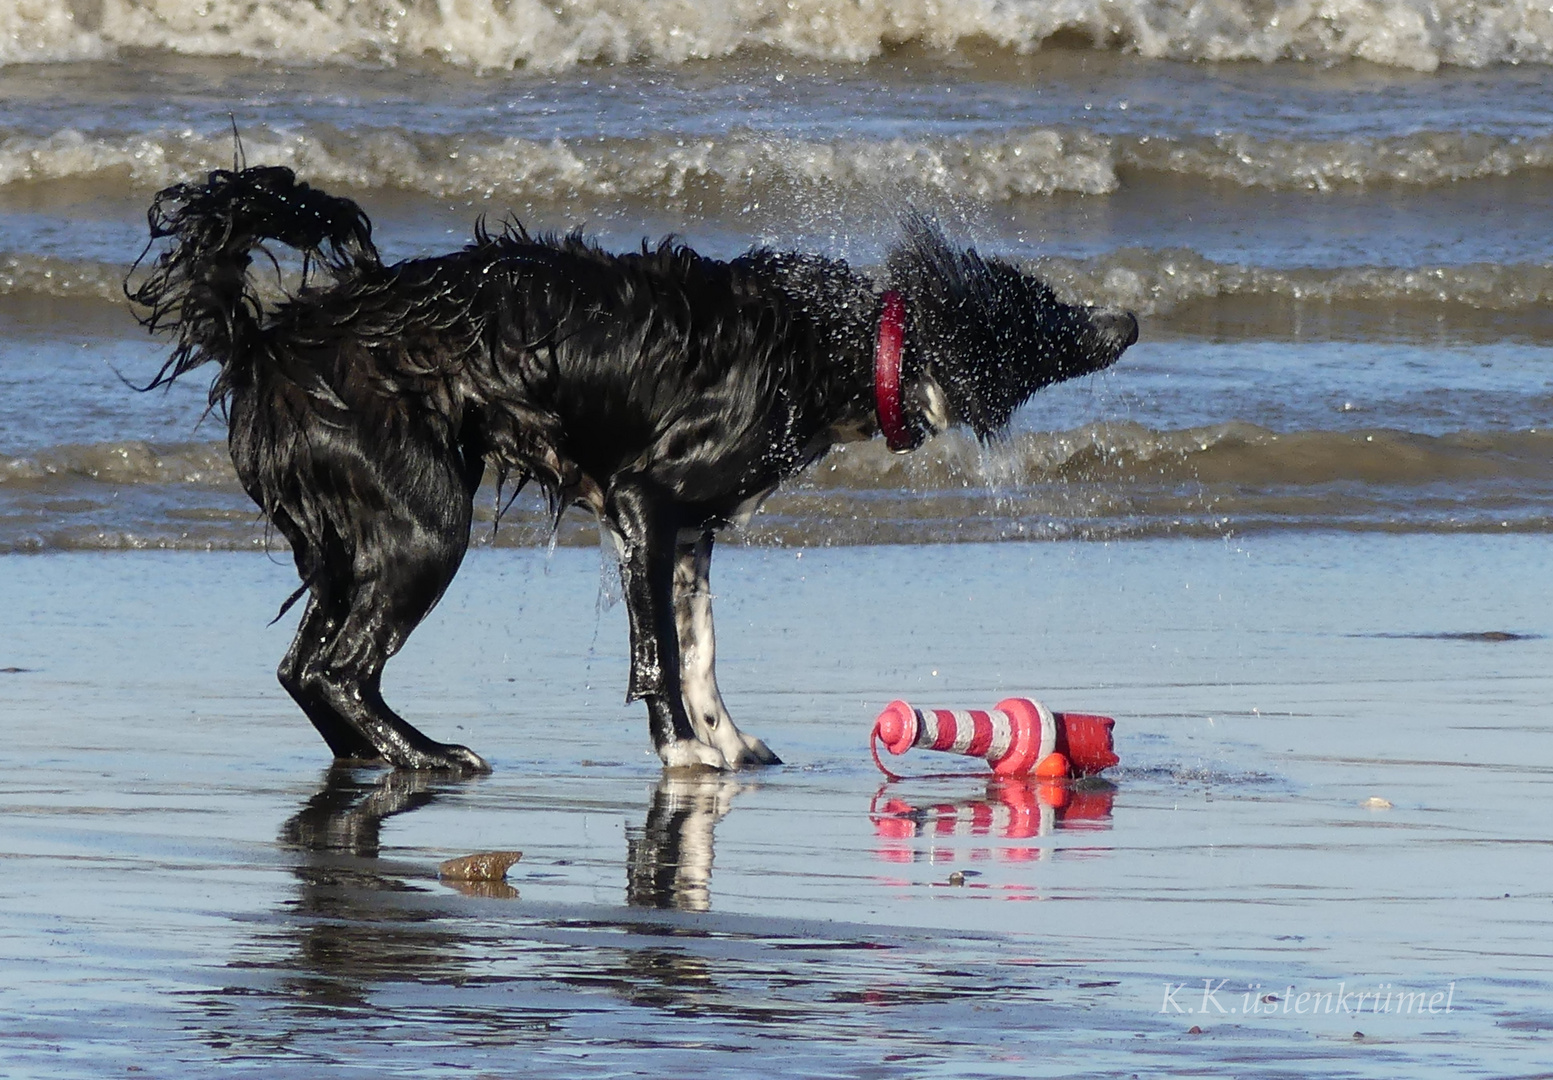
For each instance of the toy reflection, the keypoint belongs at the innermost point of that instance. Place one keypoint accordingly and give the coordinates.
(1010, 811)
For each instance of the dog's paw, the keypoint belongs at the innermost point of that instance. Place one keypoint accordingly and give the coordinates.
(690, 754)
(741, 750)
(465, 760)
(445, 757)
(754, 752)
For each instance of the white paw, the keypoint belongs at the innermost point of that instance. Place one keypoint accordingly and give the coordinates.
(690, 754)
(740, 749)
(755, 752)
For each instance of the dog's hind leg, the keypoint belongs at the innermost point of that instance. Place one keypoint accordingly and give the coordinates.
(369, 593)
(345, 673)
(317, 627)
(698, 658)
(645, 525)
(320, 621)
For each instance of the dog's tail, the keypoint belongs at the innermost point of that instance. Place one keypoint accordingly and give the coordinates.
(199, 288)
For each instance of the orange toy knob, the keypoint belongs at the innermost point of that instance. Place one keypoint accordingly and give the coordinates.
(1053, 766)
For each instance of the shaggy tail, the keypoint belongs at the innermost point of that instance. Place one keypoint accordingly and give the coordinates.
(199, 288)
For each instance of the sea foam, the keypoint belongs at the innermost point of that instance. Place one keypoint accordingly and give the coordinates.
(674, 168)
(1147, 281)
(1101, 481)
(507, 34)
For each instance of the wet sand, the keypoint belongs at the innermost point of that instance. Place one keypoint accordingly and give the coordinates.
(187, 891)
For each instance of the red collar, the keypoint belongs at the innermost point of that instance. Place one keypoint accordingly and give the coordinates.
(887, 373)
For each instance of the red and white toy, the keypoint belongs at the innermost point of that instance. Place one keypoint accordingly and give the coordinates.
(1017, 736)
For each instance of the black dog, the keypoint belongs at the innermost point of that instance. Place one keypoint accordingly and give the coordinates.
(668, 392)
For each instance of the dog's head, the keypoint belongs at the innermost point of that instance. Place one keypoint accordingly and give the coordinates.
(983, 335)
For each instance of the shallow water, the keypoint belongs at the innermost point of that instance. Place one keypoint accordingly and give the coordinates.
(1186, 436)
(189, 892)
(1333, 224)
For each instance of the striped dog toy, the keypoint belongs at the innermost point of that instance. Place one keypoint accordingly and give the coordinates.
(1017, 736)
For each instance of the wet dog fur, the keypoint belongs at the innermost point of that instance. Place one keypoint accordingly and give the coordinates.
(667, 392)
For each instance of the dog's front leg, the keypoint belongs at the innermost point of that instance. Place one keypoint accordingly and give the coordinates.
(646, 526)
(698, 658)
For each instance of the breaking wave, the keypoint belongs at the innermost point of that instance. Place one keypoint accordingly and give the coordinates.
(670, 169)
(664, 169)
(541, 35)
(58, 468)
(1422, 159)
(1120, 452)
(1105, 481)
(50, 275)
(1231, 453)
(1149, 282)
(1159, 282)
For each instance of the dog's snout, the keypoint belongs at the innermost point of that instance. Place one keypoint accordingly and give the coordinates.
(1120, 326)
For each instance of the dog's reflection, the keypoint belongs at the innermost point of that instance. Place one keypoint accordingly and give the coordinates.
(362, 942)
(669, 859)
(347, 929)
(338, 836)
(346, 815)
